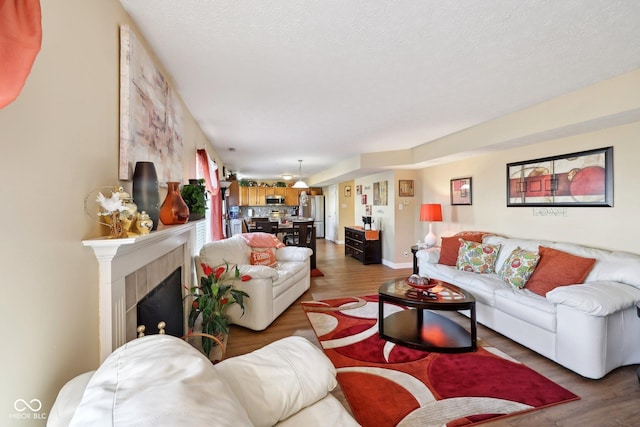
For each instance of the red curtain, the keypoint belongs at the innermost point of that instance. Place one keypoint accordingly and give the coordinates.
(210, 174)
(20, 40)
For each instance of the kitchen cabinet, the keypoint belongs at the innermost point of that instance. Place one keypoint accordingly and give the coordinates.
(244, 196)
(291, 196)
(233, 199)
(255, 196)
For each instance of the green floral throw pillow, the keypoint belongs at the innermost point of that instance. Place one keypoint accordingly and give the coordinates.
(477, 257)
(518, 267)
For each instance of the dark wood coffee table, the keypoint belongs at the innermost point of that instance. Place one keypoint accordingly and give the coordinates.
(420, 327)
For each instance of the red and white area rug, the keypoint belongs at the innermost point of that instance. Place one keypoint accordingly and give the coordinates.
(388, 384)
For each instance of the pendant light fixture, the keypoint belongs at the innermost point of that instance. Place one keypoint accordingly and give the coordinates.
(300, 183)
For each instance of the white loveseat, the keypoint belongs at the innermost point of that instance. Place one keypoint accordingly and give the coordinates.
(161, 380)
(272, 289)
(590, 328)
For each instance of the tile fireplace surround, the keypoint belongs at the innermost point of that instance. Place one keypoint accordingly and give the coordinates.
(129, 268)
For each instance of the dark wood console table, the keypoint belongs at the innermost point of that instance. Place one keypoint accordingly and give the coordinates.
(358, 246)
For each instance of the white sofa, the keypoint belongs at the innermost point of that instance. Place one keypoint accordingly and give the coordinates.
(590, 328)
(271, 290)
(161, 380)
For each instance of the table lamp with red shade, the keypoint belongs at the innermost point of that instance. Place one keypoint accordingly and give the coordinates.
(431, 212)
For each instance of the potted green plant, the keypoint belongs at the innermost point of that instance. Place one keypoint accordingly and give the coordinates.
(212, 299)
(195, 196)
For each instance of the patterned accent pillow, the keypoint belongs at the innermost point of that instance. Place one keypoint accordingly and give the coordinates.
(263, 257)
(451, 245)
(477, 257)
(518, 267)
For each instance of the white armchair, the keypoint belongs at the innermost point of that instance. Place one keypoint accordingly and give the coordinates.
(271, 289)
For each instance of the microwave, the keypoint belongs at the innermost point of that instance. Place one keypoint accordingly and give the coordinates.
(274, 200)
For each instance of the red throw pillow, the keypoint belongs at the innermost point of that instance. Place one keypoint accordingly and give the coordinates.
(449, 250)
(556, 268)
(262, 240)
(451, 245)
(263, 257)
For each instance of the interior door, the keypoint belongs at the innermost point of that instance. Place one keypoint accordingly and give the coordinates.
(330, 213)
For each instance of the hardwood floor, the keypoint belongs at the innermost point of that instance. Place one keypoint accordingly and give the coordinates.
(611, 401)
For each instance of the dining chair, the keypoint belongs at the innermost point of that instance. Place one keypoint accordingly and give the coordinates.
(266, 226)
(302, 234)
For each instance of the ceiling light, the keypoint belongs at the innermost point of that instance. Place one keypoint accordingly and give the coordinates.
(300, 183)
(287, 177)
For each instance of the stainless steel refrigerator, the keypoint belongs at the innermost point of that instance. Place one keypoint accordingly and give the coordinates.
(314, 208)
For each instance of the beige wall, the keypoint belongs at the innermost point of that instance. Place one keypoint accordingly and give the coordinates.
(613, 228)
(406, 210)
(345, 208)
(59, 141)
(396, 223)
(383, 215)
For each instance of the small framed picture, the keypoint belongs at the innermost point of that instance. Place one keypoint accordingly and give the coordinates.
(367, 210)
(405, 188)
(461, 191)
(347, 191)
(364, 199)
(358, 190)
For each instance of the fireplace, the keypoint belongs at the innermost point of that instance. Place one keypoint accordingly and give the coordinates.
(163, 303)
(130, 268)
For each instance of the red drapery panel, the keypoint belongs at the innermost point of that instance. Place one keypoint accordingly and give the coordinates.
(20, 40)
(210, 175)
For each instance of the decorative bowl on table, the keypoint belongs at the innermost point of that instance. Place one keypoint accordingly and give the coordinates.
(419, 282)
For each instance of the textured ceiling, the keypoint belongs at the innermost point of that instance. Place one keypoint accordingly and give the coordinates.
(324, 81)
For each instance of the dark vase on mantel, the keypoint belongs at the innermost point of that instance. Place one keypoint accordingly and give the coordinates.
(145, 191)
(174, 210)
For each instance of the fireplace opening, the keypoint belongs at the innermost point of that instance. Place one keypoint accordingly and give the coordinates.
(163, 303)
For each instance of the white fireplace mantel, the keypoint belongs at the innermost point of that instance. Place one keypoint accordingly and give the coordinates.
(117, 258)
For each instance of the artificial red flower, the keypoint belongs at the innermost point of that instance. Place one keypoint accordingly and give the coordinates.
(245, 278)
(212, 299)
(208, 271)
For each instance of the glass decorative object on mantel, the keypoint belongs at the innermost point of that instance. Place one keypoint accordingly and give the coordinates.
(127, 217)
(174, 210)
(144, 223)
(112, 207)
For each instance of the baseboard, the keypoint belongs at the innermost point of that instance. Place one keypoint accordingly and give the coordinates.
(397, 266)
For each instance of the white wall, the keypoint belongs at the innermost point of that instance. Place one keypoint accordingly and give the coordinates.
(60, 140)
